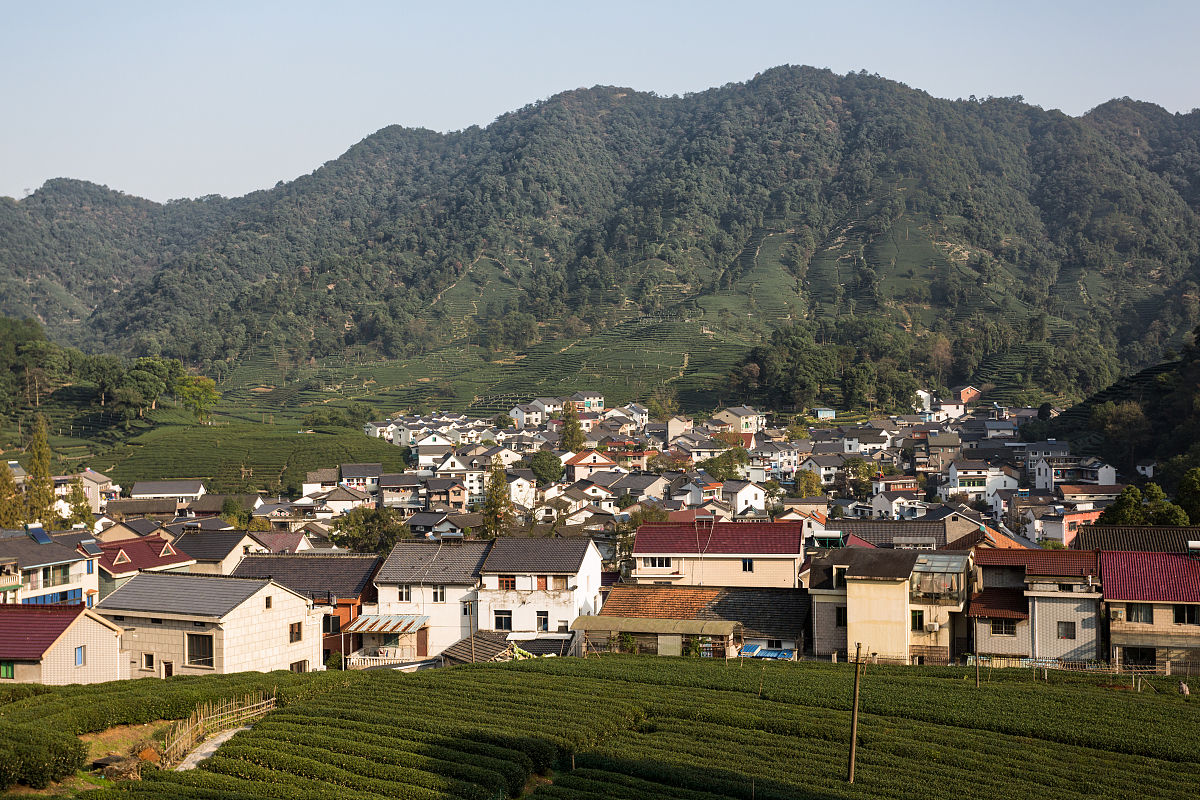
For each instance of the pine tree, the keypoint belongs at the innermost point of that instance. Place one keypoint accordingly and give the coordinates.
(12, 507)
(81, 509)
(498, 510)
(572, 431)
(39, 483)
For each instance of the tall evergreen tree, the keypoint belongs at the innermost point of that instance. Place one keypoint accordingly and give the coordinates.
(80, 509)
(39, 483)
(572, 431)
(11, 504)
(498, 513)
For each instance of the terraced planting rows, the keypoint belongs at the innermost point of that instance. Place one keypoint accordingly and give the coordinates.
(629, 727)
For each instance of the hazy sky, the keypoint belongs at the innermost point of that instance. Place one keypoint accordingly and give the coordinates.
(177, 99)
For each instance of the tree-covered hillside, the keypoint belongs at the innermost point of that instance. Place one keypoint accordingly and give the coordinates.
(1032, 247)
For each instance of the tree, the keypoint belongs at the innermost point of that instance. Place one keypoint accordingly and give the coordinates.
(235, 514)
(80, 514)
(370, 530)
(547, 467)
(11, 504)
(1127, 509)
(809, 484)
(663, 404)
(497, 509)
(198, 393)
(572, 431)
(39, 483)
(1159, 510)
(503, 421)
(1187, 496)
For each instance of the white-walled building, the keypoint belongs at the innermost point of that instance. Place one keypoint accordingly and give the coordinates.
(538, 584)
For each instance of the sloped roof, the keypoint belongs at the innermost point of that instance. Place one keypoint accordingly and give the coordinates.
(181, 593)
(280, 541)
(362, 470)
(141, 526)
(999, 603)
(28, 553)
(342, 575)
(211, 545)
(761, 538)
(26, 631)
(1059, 563)
(864, 563)
(488, 645)
(125, 507)
(326, 475)
(550, 556)
(142, 553)
(772, 613)
(212, 503)
(179, 487)
(882, 533)
(415, 561)
(1157, 539)
(1150, 577)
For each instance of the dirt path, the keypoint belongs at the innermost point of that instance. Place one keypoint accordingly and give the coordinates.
(207, 748)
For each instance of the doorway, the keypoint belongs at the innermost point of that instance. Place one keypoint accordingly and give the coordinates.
(168, 668)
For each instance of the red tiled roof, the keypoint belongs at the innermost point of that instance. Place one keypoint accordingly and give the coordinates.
(1064, 563)
(856, 541)
(721, 537)
(1000, 604)
(579, 459)
(1090, 488)
(27, 630)
(146, 552)
(658, 602)
(1150, 577)
(281, 541)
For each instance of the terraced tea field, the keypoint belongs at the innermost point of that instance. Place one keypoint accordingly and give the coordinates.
(629, 727)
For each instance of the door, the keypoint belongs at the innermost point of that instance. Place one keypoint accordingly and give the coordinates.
(168, 669)
(423, 643)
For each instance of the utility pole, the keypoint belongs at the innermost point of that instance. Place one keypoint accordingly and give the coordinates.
(977, 670)
(471, 628)
(854, 711)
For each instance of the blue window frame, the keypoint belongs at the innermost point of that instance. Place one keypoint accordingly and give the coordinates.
(79, 656)
(91, 566)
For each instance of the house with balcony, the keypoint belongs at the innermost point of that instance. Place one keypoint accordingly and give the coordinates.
(978, 480)
(182, 624)
(54, 570)
(1153, 602)
(58, 645)
(1050, 471)
(1038, 604)
(536, 585)
(902, 606)
(709, 553)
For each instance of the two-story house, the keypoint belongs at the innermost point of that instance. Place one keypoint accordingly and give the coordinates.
(54, 570)
(1153, 602)
(121, 560)
(709, 553)
(538, 584)
(742, 419)
(182, 624)
(978, 480)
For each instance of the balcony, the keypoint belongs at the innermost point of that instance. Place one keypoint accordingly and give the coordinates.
(381, 656)
(36, 582)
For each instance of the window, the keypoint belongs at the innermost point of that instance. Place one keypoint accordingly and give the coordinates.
(564, 626)
(657, 562)
(267, 601)
(1139, 612)
(1004, 627)
(839, 616)
(155, 621)
(295, 632)
(7, 670)
(197, 624)
(147, 660)
(439, 594)
(774, 644)
(89, 601)
(543, 620)
(299, 666)
(918, 620)
(839, 577)
(1187, 615)
(508, 582)
(504, 620)
(559, 582)
(747, 565)
(199, 650)
(467, 608)
(404, 594)
(1066, 587)
(1066, 630)
(541, 582)
(91, 566)
(80, 653)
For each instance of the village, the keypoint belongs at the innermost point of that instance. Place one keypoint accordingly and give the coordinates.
(570, 528)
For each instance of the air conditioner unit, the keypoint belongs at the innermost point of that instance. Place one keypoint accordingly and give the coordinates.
(1118, 613)
(933, 627)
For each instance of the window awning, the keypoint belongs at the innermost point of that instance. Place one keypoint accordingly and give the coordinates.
(386, 623)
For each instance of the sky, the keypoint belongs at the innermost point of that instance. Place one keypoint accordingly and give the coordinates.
(183, 99)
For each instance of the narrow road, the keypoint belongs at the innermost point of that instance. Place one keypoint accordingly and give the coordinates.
(207, 748)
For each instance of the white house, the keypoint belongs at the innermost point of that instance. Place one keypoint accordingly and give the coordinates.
(527, 415)
(978, 480)
(181, 491)
(538, 584)
(742, 495)
(826, 466)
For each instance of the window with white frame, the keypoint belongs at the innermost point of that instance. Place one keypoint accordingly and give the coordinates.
(439, 594)
(404, 593)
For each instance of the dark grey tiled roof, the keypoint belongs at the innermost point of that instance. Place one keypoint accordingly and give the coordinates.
(28, 553)
(142, 527)
(213, 503)
(181, 593)
(125, 507)
(179, 527)
(1155, 539)
(210, 545)
(882, 533)
(327, 475)
(316, 576)
(433, 562)
(769, 613)
(862, 562)
(362, 470)
(488, 645)
(553, 556)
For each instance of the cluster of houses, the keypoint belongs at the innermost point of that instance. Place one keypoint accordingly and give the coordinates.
(934, 555)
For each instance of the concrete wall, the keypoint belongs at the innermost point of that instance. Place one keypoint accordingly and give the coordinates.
(770, 571)
(1078, 607)
(878, 617)
(256, 638)
(827, 636)
(447, 622)
(102, 655)
(987, 644)
(165, 640)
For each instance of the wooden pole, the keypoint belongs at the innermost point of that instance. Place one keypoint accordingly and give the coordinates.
(854, 712)
(977, 670)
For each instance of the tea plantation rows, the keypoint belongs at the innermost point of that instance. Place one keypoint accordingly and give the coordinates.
(628, 727)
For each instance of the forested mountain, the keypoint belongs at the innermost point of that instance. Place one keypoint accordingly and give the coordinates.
(964, 239)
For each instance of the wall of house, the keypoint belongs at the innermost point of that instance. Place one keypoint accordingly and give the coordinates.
(78, 579)
(987, 644)
(1046, 611)
(877, 616)
(1177, 643)
(166, 640)
(102, 655)
(562, 605)
(770, 571)
(447, 621)
(828, 638)
(934, 646)
(256, 638)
